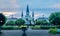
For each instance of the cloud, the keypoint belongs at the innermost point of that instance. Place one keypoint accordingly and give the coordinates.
(14, 3)
(9, 4)
(37, 15)
(55, 5)
(8, 13)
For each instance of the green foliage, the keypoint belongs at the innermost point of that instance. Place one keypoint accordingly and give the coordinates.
(31, 26)
(44, 22)
(55, 18)
(23, 26)
(10, 23)
(53, 31)
(47, 27)
(2, 19)
(35, 27)
(9, 27)
(19, 21)
(41, 22)
(42, 27)
(38, 22)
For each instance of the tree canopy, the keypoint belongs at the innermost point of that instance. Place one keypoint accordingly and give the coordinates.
(41, 22)
(10, 23)
(19, 21)
(54, 18)
(2, 19)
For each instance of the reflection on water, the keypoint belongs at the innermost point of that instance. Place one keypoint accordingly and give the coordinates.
(24, 34)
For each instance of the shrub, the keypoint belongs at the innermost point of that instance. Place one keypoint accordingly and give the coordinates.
(35, 27)
(53, 31)
(25, 26)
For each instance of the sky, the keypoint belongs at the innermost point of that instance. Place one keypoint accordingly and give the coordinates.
(39, 7)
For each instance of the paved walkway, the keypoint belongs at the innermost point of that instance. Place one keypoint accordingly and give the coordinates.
(28, 33)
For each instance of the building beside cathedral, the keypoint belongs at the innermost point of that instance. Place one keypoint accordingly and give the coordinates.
(28, 19)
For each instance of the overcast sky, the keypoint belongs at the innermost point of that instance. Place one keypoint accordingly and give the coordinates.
(39, 7)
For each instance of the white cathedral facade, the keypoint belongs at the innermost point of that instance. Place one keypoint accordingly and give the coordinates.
(28, 19)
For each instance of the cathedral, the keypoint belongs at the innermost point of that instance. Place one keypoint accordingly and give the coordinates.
(28, 19)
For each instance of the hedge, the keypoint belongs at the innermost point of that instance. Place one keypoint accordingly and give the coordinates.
(47, 27)
(9, 27)
(42, 27)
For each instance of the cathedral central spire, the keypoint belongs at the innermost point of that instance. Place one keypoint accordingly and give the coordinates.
(27, 10)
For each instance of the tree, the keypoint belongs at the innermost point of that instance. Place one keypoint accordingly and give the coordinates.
(38, 22)
(10, 23)
(54, 18)
(41, 22)
(45, 22)
(19, 22)
(2, 20)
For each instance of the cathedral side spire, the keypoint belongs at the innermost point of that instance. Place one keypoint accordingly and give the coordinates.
(22, 14)
(33, 15)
